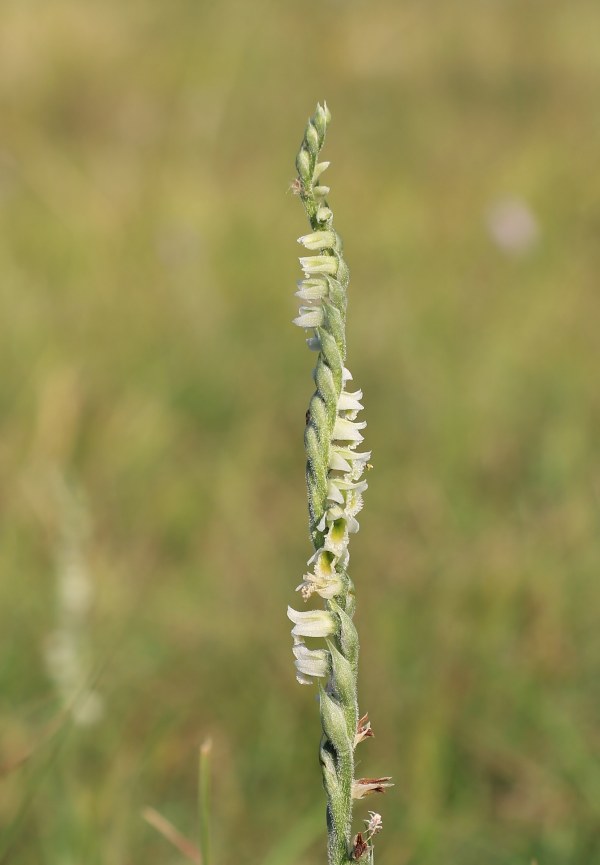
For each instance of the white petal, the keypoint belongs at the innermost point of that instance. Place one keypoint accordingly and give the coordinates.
(333, 493)
(352, 524)
(334, 513)
(348, 402)
(337, 463)
(312, 623)
(356, 486)
(353, 456)
(347, 430)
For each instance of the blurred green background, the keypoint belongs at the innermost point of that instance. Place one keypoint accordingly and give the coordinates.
(150, 371)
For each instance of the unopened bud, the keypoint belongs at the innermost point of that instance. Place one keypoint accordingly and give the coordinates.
(303, 165)
(324, 214)
(320, 167)
(320, 121)
(311, 137)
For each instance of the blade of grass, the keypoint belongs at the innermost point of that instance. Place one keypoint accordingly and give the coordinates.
(173, 835)
(204, 799)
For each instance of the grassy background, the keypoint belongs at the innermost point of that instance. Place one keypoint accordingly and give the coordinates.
(147, 264)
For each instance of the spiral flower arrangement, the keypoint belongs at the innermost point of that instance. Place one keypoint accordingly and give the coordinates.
(334, 476)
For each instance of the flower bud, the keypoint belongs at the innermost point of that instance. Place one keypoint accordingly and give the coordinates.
(303, 166)
(324, 214)
(320, 121)
(320, 167)
(312, 139)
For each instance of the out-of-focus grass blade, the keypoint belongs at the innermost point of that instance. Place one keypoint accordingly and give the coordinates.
(55, 737)
(168, 831)
(289, 848)
(204, 800)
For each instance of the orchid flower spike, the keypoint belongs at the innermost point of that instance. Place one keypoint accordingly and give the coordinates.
(334, 477)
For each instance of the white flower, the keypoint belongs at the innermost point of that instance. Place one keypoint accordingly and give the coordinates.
(348, 430)
(312, 264)
(325, 580)
(312, 289)
(355, 461)
(336, 539)
(350, 401)
(312, 623)
(318, 240)
(309, 662)
(310, 316)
